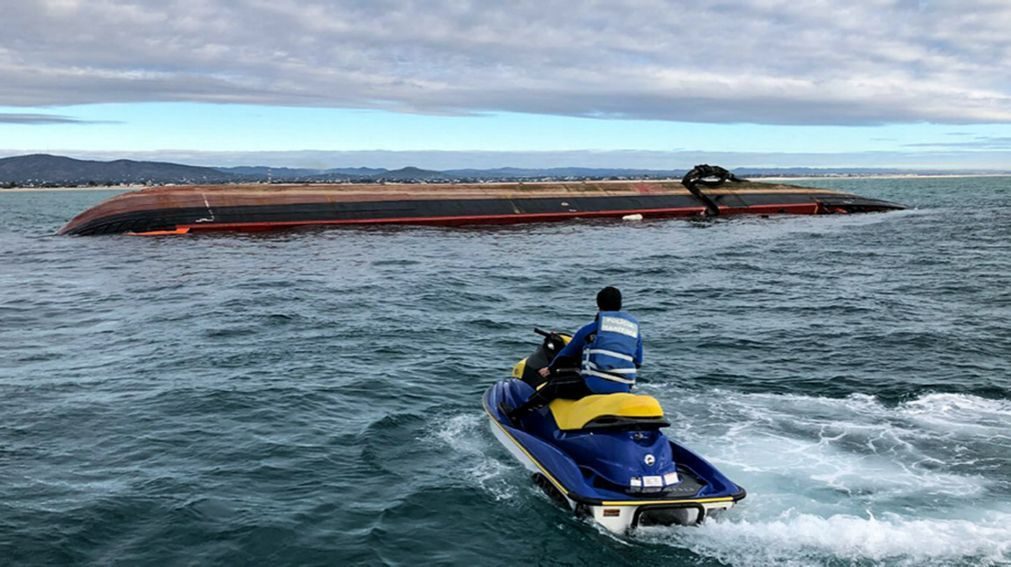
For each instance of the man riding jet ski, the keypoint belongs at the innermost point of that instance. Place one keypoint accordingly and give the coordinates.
(590, 443)
(610, 351)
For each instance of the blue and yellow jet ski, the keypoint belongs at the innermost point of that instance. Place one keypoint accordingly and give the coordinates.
(604, 456)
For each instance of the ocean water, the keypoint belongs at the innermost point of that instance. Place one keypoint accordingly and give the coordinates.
(313, 397)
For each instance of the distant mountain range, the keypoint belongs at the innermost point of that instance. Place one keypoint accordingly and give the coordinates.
(43, 170)
(50, 170)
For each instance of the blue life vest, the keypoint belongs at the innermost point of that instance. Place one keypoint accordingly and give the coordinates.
(609, 359)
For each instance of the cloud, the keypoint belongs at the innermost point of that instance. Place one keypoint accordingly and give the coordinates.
(22, 118)
(978, 143)
(757, 61)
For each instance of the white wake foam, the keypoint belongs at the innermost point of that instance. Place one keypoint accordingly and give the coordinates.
(961, 413)
(854, 445)
(851, 479)
(469, 451)
(806, 539)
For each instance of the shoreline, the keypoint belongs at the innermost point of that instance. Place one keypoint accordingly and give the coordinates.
(71, 189)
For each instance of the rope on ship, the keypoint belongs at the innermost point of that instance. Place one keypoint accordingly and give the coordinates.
(708, 176)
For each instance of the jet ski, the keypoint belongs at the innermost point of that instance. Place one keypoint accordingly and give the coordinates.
(605, 456)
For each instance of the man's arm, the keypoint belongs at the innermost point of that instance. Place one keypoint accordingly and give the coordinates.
(575, 347)
(573, 350)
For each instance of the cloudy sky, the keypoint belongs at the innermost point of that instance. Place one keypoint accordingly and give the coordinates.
(455, 83)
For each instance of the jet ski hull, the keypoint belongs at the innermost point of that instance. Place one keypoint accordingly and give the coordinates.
(563, 480)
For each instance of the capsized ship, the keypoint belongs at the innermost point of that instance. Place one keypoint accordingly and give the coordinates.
(704, 191)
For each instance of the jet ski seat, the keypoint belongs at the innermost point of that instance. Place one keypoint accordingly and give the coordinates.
(607, 410)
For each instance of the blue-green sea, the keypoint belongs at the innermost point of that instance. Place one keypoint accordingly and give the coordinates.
(313, 397)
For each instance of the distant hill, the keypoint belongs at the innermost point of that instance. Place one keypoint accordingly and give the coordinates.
(45, 169)
(334, 174)
(50, 170)
(413, 173)
(357, 171)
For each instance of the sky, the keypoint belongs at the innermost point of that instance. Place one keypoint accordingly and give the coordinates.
(456, 83)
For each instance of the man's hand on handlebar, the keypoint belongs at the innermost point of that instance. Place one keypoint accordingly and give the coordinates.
(545, 372)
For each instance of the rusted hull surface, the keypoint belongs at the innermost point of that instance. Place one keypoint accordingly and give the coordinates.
(171, 210)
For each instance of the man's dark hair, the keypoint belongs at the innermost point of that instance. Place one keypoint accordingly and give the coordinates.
(609, 299)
